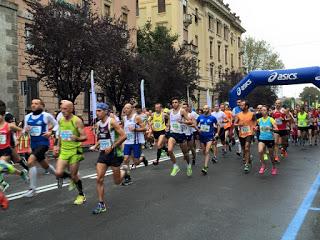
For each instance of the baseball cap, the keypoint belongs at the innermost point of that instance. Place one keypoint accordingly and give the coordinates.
(102, 106)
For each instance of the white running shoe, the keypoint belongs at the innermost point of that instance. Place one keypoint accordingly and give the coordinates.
(30, 193)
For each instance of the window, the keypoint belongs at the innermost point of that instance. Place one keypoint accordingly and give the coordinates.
(239, 60)
(232, 39)
(161, 6)
(219, 53)
(232, 60)
(219, 28)
(185, 10)
(27, 34)
(31, 90)
(107, 10)
(185, 35)
(226, 33)
(211, 71)
(210, 22)
(196, 40)
(226, 55)
(125, 18)
(137, 7)
(196, 17)
(239, 42)
(210, 48)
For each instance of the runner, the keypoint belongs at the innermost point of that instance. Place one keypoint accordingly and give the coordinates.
(109, 139)
(313, 119)
(207, 134)
(144, 117)
(158, 127)
(281, 135)
(221, 118)
(40, 125)
(134, 129)
(235, 112)
(303, 127)
(71, 134)
(246, 121)
(178, 116)
(228, 125)
(188, 130)
(266, 127)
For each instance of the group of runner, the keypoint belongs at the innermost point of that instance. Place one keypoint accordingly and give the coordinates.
(120, 139)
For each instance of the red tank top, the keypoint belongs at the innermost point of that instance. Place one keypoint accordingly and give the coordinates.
(282, 124)
(5, 137)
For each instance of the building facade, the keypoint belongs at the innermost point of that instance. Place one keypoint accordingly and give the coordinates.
(207, 28)
(20, 86)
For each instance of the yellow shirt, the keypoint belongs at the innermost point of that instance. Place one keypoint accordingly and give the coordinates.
(158, 123)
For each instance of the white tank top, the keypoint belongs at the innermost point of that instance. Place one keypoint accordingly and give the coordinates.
(132, 137)
(175, 125)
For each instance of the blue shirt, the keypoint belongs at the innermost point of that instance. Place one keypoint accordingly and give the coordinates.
(236, 110)
(206, 125)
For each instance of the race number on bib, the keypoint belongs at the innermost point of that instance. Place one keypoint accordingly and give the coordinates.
(3, 139)
(130, 136)
(105, 143)
(35, 131)
(66, 135)
(176, 127)
(278, 121)
(245, 129)
(205, 128)
(157, 125)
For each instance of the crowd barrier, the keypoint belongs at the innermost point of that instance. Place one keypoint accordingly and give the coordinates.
(23, 141)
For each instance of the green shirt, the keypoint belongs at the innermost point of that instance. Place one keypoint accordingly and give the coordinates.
(67, 128)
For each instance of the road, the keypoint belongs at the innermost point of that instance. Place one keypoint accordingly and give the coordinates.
(225, 204)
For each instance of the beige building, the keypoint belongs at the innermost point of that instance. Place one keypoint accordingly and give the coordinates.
(208, 28)
(20, 85)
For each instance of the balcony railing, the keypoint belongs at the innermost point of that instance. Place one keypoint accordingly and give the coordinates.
(191, 47)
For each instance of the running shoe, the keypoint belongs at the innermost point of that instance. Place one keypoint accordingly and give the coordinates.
(214, 159)
(4, 186)
(175, 171)
(80, 199)
(24, 175)
(265, 157)
(145, 161)
(100, 208)
(285, 154)
(72, 186)
(204, 170)
(163, 153)
(238, 153)
(276, 159)
(4, 202)
(155, 162)
(59, 182)
(274, 171)
(246, 168)
(46, 172)
(189, 171)
(30, 193)
(127, 181)
(262, 170)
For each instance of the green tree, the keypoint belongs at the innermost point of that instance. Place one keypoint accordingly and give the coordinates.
(310, 95)
(167, 70)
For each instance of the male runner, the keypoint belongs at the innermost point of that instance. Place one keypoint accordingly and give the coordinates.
(207, 134)
(303, 126)
(235, 112)
(109, 139)
(40, 125)
(178, 117)
(188, 130)
(71, 134)
(246, 122)
(220, 116)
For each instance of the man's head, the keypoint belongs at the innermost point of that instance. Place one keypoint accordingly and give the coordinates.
(245, 105)
(138, 109)
(206, 110)
(259, 108)
(239, 102)
(175, 103)
(278, 104)
(222, 107)
(185, 106)
(216, 108)
(67, 108)
(264, 110)
(37, 105)
(128, 109)
(102, 110)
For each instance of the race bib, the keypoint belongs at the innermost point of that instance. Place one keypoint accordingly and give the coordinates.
(205, 128)
(130, 136)
(176, 127)
(3, 139)
(265, 129)
(105, 143)
(245, 129)
(157, 125)
(35, 131)
(66, 135)
(278, 121)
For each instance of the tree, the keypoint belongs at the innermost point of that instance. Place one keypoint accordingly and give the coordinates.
(62, 49)
(167, 70)
(310, 95)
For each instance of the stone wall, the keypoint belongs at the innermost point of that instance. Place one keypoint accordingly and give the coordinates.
(9, 90)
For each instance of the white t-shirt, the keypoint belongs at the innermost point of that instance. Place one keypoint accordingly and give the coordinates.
(220, 116)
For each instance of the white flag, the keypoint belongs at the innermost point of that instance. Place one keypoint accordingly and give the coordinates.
(143, 101)
(209, 103)
(93, 98)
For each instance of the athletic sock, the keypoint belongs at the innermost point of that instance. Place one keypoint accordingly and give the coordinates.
(158, 154)
(51, 169)
(33, 177)
(79, 187)
(66, 175)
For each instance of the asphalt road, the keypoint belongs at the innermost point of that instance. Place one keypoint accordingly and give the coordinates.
(225, 204)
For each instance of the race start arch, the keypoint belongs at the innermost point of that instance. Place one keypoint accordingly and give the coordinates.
(273, 77)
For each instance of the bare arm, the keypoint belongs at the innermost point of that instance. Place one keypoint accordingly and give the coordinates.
(80, 127)
(141, 124)
(120, 131)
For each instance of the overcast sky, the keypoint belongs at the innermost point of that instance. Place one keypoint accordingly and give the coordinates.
(292, 27)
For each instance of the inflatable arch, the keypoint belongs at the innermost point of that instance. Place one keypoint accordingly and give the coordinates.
(273, 77)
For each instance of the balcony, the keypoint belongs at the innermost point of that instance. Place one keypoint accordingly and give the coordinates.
(193, 49)
(187, 19)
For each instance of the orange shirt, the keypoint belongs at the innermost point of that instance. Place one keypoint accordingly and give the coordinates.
(228, 119)
(246, 124)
